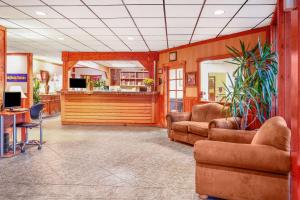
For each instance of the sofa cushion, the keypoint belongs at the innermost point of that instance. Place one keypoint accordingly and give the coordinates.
(274, 132)
(181, 126)
(199, 128)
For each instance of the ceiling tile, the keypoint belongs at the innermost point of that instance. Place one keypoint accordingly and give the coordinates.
(11, 13)
(131, 37)
(256, 11)
(103, 2)
(153, 31)
(23, 2)
(181, 22)
(89, 23)
(59, 23)
(8, 24)
(118, 46)
(73, 31)
(50, 13)
(227, 31)
(110, 11)
(179, 37)
(134, 43)
(175, 43)
(29, 23)
(229, 10)
(126, 31)
(146, 10)
(63, 2)
(261, 2)
(48, 32)
(143, 1)
(207, 31)
(74, 11)
(239, 2)
(183, 10)
(150, 22)
(180, 30)
(212, 22)
(184, 2)
(101, 48)
(244, 22)
(107, 38)
(155, 37)
(99, 31)
(202, 37)
(124, 22)
(266, 22)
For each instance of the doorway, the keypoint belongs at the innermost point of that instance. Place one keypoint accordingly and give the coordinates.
(175, 89)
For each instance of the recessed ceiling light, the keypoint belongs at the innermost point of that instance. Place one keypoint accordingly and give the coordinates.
(219, 12)
(60, 38)
(130, 38)
(40, 13)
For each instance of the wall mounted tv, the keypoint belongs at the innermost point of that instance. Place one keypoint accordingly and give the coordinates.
(77, 83)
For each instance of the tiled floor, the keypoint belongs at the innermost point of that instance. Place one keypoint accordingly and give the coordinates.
(100, 162)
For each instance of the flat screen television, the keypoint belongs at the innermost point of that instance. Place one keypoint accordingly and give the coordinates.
(77, 83)
(12, 99)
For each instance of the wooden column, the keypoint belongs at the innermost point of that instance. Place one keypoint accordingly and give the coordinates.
(2, 61)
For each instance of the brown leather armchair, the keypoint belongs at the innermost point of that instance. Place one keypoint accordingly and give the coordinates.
(245, 165)
(189, 127)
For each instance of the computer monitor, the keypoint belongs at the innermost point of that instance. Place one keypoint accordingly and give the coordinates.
(12, 99)
(77, 83)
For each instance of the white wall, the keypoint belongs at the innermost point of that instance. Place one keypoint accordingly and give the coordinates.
(214, 66)
(17, 64)
(89, 71)
(55, 72)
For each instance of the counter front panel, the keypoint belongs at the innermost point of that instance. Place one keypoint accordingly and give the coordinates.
(108, 108)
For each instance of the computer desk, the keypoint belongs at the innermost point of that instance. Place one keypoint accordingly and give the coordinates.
(7, 113)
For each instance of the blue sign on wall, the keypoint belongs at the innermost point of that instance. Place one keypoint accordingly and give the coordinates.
(16, 77)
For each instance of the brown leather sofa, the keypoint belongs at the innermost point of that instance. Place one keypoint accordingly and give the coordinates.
(189, 127)
(245, 165)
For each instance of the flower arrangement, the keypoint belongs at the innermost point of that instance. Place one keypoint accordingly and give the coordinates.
(148, 82)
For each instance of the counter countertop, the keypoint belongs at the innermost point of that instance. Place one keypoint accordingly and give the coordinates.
(109, 93)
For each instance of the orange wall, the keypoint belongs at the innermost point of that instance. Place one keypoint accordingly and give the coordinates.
(2, 60)
(210, 48)
(286, 31)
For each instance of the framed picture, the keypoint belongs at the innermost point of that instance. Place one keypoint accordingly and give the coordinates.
(173, 56)
(191, 79)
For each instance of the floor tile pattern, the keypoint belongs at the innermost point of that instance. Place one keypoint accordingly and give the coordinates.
(100, 162)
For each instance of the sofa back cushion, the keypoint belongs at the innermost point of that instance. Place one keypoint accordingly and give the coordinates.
(274, 132)
(207, 112)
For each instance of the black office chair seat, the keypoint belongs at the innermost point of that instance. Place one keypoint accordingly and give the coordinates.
(27, 125)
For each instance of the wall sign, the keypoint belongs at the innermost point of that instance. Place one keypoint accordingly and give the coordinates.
(16, 77)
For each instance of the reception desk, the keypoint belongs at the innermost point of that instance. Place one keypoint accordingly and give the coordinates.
(109, 108)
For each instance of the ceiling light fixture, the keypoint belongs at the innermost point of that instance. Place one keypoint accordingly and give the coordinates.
(60, 38)
(130, 38)
(40, 13)
(219, 12)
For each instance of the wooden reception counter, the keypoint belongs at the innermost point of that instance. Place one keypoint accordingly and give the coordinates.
(107, 108)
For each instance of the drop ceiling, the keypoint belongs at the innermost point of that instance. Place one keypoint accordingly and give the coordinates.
(124, 25)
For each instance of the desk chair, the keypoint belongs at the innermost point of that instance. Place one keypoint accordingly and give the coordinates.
(36, 112)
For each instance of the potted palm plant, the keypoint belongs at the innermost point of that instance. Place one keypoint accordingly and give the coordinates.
(254, 85)
(36, 91)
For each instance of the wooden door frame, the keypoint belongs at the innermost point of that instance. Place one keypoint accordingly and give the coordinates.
(166, 68)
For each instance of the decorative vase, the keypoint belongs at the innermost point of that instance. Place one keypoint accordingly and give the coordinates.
(149, 89)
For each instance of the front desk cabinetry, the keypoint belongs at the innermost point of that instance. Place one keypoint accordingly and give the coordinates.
(104, 108)
(52, 104)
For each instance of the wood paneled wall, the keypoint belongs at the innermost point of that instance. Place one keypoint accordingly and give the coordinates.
(286, 32)
(2, 61)
(194, 53)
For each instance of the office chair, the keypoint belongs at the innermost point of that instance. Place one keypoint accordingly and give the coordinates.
(36, 112)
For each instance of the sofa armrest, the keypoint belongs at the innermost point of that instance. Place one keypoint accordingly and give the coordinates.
(246, 156)
(176, 117)
(230, 135)
(179, 116)
(228, 123)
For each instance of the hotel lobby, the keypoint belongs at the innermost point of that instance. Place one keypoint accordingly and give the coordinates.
(150, 99)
